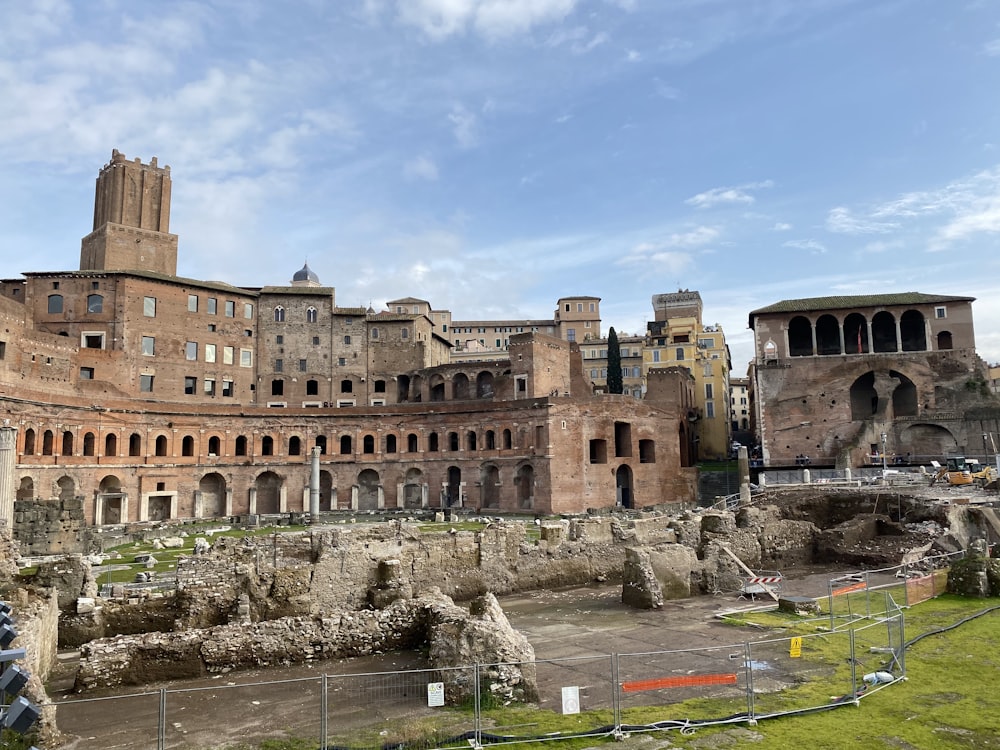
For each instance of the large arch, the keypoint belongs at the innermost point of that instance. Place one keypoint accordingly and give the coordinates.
(864, 397)
(413, 489)
(453, 488)
(212, 490)
(460, 386)
(327, 492)
(484, 385)
(489, 482)
(26, 489)
(800, 339)
(524, 481)
(368, 490)
(856, 334)
(884, 332)
(913, 331)
(403, 389)
(926, 439)
(827, 335)
(268, 486)
(67, 487)
(437, 387)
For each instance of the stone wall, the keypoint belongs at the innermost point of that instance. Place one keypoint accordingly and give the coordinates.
(51, 527)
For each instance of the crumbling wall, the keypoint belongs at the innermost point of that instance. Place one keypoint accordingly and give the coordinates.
(51, 527)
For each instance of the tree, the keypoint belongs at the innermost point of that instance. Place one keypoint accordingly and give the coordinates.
(615, 384)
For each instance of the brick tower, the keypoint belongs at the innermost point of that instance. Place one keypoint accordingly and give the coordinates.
(131, 220)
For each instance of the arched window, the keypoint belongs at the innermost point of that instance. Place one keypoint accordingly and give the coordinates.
(47, 438)
(29, 442)
(471, 440)
(267, 446)
(241, 445)
(279, 314)
(135, 444)
(453, 441)
(346, 386)
(369, 444)
(67, 443)
(345, 445)
(312, 387)
(321, 444)
(390, 443)
(161, 445)
(95, 303)
(507, 441)
(432, 442)
(294, 445)
(374, 333)
(55, 304)
(214, 446)
(111, 445)
(187, 446)
(411, 443)
(89, 442)
(311, 315)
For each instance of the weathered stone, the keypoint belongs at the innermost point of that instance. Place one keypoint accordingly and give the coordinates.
(640, 589)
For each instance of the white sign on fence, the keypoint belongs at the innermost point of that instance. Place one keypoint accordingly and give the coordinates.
(435, 694)
(571, 700)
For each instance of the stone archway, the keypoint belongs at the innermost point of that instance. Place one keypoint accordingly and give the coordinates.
(369, 485)
(212, 489)
(413, 489)
(26, 489)
(112, 503)
(268, 486)
(525, 483)
(489, 492)
(67, 487)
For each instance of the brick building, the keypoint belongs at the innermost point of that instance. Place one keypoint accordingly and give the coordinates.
(845, 380)
(158, 397)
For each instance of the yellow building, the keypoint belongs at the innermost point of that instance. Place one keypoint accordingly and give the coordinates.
(595, 363)
(677, 337)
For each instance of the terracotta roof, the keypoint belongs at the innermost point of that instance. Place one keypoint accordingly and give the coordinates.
(846, 302)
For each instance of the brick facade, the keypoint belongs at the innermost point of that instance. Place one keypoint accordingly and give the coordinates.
(155, 397)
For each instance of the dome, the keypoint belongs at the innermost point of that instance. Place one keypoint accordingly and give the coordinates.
(305, 277)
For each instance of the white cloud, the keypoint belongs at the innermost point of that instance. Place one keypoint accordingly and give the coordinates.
(439, 19)
(463, 126)
(632, 55)
(781, 226)
(841, 221)
(817, 248)
(665, 90)
(420, 168)
(723, 195)
(992, 48)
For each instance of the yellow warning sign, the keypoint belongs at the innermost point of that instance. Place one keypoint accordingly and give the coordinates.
(795, 647)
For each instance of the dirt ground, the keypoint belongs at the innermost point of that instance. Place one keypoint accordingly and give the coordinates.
(240, 706)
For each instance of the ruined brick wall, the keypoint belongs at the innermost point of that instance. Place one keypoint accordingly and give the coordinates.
(51, 527)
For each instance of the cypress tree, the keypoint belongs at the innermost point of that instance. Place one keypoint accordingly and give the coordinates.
(615, 384)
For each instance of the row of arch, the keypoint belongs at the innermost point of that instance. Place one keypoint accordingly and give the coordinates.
(437, 388)
(883, 333)
(267, 445)
(491, 487)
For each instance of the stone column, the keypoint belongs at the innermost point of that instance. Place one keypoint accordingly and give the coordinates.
(314, 486)
(743, 463)
(8, 457)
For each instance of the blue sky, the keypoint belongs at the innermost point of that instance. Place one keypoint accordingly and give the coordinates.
(491, 156)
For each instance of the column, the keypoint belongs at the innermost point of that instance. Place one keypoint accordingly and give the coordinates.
(8, 458)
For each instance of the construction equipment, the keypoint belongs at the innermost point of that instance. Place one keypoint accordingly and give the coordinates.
(954, 472)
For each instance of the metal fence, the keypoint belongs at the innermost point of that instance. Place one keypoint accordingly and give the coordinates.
(592, 696)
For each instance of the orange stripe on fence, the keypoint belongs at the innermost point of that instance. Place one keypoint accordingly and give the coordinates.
(672, 682)
(848, 589)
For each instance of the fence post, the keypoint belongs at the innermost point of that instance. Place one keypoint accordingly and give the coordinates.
(324, 705)
(477, 707)
(854, 669)
(748, 668)
(616, 695)
(161, 729)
